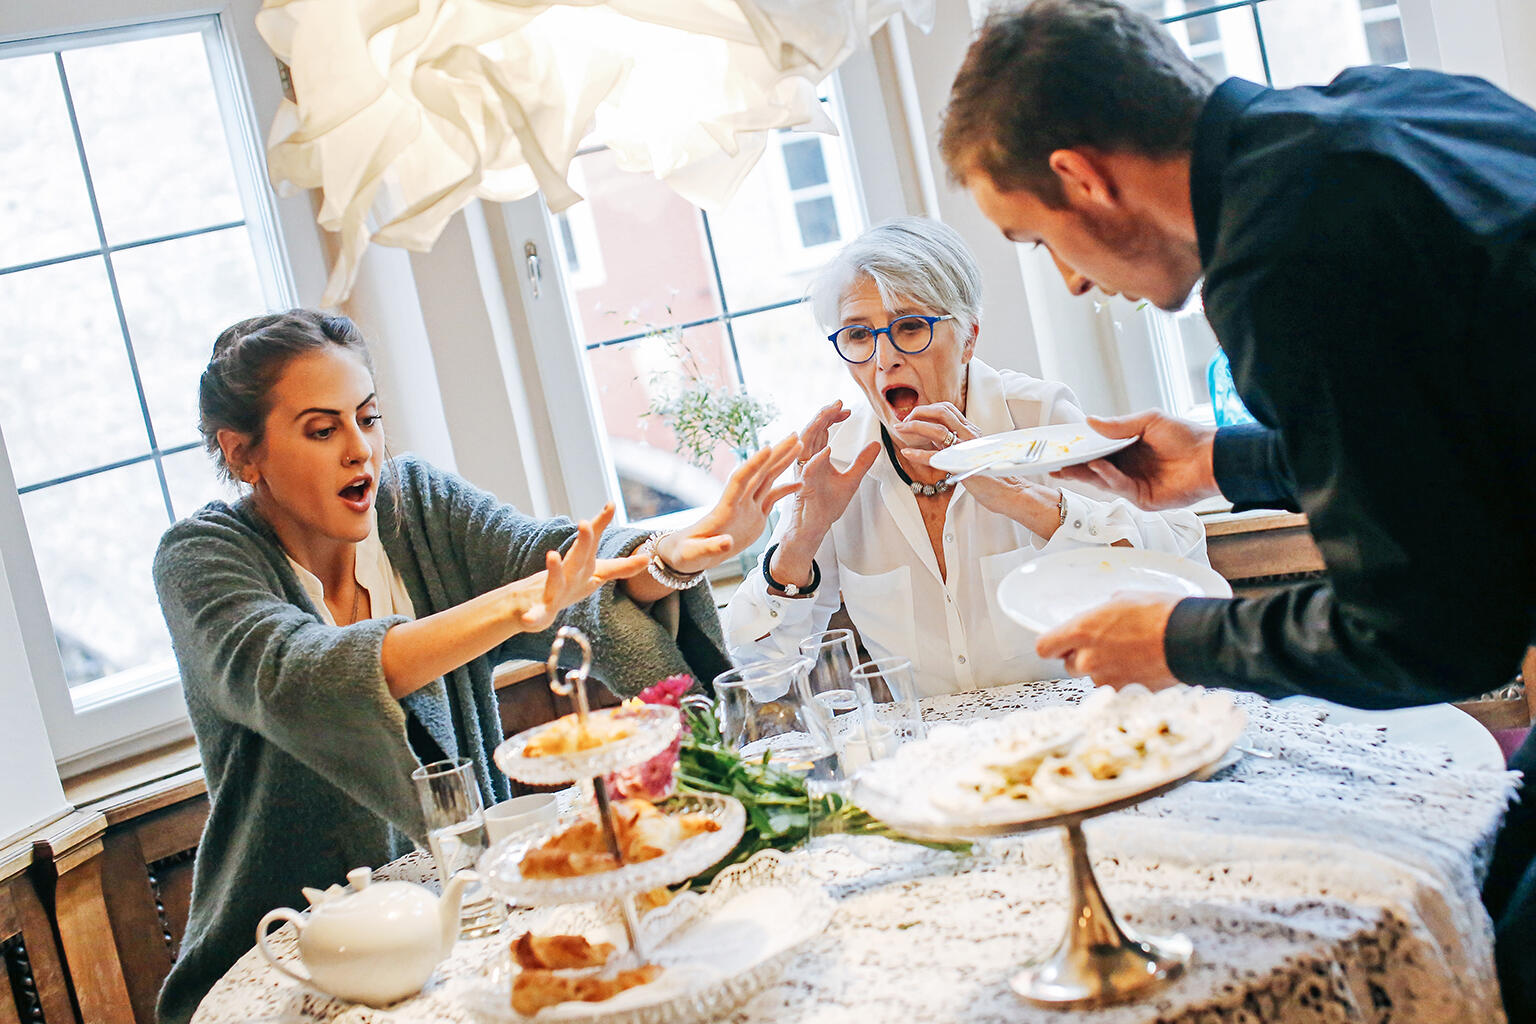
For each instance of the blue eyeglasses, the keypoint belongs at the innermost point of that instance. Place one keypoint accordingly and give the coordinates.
(911, 334)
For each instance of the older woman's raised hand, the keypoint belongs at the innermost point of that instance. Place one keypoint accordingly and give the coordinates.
(825, 491)
(739, 517)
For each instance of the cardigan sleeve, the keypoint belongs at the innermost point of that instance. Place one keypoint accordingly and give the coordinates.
(632, 648)
(255, 659)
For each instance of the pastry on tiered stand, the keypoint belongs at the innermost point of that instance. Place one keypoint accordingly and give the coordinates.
(610, 850)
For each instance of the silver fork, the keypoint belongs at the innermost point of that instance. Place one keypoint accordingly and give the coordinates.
(1031, 454)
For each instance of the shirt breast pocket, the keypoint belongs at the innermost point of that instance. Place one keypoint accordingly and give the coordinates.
(881, 607)
(1013, 640)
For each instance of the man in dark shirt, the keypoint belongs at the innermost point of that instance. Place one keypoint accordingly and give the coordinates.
(1369, 255)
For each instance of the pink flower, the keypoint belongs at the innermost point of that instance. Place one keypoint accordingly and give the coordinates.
(656, 778)
(669, 691)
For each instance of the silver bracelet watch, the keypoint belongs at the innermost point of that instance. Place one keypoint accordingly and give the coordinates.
(663, 573)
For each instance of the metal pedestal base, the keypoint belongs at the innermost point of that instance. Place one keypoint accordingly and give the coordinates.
(1098, 962)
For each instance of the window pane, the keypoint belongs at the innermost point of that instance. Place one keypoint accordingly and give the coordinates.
(804, 164)
(194, 483)
(653, 248)
(153, 136)
(786, 358)
(44, 209)
(1199, 348)
(1311, 41)
(627, 379)
(1224, 44)
(1384, 39)
(818, 221)
(67, 400)
(95, 541)
(761, 239)
(178, 296)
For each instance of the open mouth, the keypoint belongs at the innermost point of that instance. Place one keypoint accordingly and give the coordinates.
(901, 399)
(356, 493)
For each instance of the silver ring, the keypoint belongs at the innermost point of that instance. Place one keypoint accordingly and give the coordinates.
(952, 439)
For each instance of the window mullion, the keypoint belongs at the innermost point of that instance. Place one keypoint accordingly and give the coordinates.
(725, 310)
(1258, 34)
(117, 299)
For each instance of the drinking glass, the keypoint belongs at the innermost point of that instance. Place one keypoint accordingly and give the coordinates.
(450, 800)
(830, 679)
(892, 688)
(767, 707)
(859, 738)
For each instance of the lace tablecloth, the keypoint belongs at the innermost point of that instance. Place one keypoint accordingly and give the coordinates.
(1336, 882)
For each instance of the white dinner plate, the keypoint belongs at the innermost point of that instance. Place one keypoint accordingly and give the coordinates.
(1442, 726)
(1066, 444)
(1043, 593)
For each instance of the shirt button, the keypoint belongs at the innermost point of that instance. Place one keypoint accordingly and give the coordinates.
(774, 613)
(1093, 530)
(1077, 524)
(949, 537)
(961, 659)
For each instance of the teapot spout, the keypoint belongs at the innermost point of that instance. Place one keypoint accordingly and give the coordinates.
(453, 897)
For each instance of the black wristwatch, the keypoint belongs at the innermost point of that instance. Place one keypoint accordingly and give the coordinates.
(790, 589)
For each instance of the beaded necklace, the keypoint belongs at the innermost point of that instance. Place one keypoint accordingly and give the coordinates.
(926, 490)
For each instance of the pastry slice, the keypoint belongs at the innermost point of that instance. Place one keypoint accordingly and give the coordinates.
(532, 990)
(556, 952)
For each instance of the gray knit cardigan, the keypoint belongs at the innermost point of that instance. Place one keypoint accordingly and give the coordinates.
(306, 755)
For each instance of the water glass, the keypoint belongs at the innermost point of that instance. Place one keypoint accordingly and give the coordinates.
(830, 679)
(892, 688)
(450, 800)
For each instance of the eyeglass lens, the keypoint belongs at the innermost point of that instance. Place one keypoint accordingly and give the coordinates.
(910, 334)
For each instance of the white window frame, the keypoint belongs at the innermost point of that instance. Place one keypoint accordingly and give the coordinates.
(142, 708)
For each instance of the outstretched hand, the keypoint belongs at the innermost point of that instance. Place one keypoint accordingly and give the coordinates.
(569, 578)
(739, 517)
(1117, 643)
(1170, 467)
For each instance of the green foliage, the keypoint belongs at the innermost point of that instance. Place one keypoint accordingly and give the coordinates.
(701, 413)
(777, 804)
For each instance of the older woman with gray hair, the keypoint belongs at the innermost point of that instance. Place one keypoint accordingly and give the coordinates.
(915, 560)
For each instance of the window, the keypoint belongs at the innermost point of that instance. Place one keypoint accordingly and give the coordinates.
(1275, 42)
(717, 295)
(133, 232)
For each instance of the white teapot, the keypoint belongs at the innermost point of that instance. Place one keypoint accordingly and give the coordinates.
(376, 944)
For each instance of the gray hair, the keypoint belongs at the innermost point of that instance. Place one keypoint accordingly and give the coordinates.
(908, 258)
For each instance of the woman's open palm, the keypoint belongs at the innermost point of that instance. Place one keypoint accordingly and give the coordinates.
(569, 578)
(739, 517)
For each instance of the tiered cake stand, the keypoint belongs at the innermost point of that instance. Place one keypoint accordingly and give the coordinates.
(652, 730)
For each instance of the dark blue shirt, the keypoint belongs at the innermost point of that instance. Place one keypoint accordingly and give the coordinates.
(1369, 250)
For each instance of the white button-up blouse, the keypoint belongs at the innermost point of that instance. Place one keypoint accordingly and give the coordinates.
(877, 559)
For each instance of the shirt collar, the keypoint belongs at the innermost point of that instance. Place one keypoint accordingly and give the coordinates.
(1213, 133)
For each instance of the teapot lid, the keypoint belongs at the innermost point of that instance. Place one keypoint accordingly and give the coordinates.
(370, 897)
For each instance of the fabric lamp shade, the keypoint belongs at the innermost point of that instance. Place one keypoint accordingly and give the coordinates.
(428, 104)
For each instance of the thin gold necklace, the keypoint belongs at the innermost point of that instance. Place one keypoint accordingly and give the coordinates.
(357, 597)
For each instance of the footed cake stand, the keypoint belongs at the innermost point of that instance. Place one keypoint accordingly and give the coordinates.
(1098, 961)
(652, 730)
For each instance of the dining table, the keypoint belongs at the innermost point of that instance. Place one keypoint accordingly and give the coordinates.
(1332, 875)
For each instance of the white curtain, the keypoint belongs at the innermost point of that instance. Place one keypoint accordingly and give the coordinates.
(437, 102)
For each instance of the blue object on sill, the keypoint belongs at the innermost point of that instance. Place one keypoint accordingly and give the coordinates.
(1225, 405)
